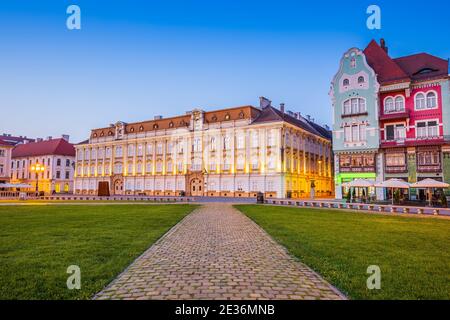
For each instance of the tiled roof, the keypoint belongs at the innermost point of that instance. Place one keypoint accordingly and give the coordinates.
(271, 114)
(6, 143)
(416, 67)
(14, 140)
(48, 147)
(83, 142)
(423, 66)
(386, 69)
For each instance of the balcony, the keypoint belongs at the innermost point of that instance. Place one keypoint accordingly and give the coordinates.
(358, 114)
(395, 115)
(393, 143)
(413, 142)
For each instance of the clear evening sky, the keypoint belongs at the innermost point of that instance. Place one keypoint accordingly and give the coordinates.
(133, 59)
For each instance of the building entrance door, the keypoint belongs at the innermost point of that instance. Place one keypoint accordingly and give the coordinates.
(196, 187)
(103, 189)
(118, 187)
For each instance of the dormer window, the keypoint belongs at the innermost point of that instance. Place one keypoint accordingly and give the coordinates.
(361, 80)
(425, 71)
(346, 82)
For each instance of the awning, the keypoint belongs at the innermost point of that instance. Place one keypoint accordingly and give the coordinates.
(359, 183)
(429, 183)
(393, 183)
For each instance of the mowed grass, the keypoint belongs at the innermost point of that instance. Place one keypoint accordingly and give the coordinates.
(413, 253)
(38, 243)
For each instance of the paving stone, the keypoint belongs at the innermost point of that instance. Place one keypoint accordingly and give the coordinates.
(218, 253)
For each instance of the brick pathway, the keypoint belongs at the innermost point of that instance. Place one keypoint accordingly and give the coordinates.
(217, 253)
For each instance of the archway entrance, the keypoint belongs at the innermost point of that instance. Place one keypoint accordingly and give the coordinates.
(196, 187)
(118, 187)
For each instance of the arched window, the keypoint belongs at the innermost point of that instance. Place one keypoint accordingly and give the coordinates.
(431, 100)
(420, 101)
(346, 82)
(399, 104)
(389, 105)
(354, 106)
(361, 80)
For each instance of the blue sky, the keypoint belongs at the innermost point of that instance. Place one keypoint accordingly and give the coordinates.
(135, 59)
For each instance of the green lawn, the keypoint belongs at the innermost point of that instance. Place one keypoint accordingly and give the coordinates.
(38, 243)
(413, 253)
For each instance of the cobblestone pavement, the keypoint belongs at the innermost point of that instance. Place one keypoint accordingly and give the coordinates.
(217, 253)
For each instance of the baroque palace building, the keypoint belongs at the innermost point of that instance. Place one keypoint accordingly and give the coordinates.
(391, 117)
(234, 152)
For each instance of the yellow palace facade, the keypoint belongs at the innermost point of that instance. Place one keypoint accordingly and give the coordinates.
(235, 152)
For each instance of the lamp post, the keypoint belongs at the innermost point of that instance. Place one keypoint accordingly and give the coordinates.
(37, 168)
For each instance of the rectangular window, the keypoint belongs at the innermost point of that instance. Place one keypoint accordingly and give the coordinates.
(58, 174)
(67, 175)
(240, 142)
(395, 159)
(347, 134)
(347, 107)
(362, 132)
(390, 133)
(432, 129)
(428, 129)
(159, 149)
(355, 133)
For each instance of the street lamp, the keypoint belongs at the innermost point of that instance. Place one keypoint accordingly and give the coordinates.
(37, 168)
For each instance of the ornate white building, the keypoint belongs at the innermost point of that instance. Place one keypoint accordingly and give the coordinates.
(234, 152)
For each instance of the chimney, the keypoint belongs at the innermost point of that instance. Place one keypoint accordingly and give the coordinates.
(326, 127)
(383, 45)
(49, 138)
(308, 117)
(39, 140)
(264, 102)
(158, 117)
(65, 137)
(282, 107)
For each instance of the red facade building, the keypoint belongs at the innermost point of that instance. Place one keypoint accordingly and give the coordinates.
(414, 102)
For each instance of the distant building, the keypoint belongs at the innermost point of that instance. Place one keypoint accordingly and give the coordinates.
(7, 143)
(391, 117)
(57, 156)
(234, 152)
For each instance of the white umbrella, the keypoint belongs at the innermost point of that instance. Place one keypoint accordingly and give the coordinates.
(359, 183)
(429, 184)
(393, 184)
